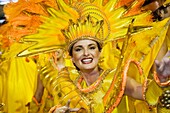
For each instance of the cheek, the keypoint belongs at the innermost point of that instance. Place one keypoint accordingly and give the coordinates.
(75, 58)
(97, 55)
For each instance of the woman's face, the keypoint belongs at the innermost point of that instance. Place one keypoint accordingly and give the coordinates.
(85, 54)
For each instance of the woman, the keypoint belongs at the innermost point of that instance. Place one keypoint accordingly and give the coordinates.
(85, 55)
(89, 88)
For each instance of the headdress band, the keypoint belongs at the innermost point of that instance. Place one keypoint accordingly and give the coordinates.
(85, 29)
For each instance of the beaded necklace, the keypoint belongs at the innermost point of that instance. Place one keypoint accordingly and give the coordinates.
(93, 86)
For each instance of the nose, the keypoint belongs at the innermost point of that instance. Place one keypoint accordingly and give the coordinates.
(86, 52)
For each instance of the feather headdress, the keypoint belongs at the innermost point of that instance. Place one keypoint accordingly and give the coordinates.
(104, 22)
(115, 15)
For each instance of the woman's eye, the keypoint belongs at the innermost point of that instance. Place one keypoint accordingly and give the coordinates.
(77, 49)
(93, 47)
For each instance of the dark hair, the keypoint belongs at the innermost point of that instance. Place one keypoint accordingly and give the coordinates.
(70, 52)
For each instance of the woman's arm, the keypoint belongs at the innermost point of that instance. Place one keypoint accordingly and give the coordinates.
(133, 88)
(40, 89)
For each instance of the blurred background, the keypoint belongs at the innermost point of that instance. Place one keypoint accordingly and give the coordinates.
(2, 3)
(152, 5)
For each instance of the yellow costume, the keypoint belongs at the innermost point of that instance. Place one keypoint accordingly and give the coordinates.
(63, 87)
(18, 75)
(120, 25)
(47, 100)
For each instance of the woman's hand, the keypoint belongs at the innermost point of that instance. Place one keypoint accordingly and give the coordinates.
(66, 109)
(163, 67)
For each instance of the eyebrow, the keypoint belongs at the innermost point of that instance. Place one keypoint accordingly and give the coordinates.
(92, 45)
(82, 46)
(78, 46)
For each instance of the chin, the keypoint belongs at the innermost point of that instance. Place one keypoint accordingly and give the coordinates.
(88, 67)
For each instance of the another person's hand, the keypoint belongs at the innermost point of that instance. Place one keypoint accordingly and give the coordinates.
(163, 67)
(65, 109)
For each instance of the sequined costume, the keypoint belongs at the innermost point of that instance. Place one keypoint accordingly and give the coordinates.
(124, 27)
(18, 75)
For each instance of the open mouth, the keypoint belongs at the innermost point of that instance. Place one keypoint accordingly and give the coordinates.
(87, 60)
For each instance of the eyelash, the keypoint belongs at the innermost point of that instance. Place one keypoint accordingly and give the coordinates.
(92, 47)
(78, 49)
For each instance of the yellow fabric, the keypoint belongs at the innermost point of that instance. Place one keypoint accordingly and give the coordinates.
(33, 107)
(152, 93)
(112, 29)
(47, 102)
(44, 60)
(166, 2)
(168, 38)
(19, 84)
(63, 87)
(118, 28)
(146, 58)
(3, 84)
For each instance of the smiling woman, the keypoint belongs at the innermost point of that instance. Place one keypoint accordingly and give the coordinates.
(91, 79)
(85, 55)
(85, 29)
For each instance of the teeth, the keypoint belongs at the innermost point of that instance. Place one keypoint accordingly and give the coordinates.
(87, 60)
